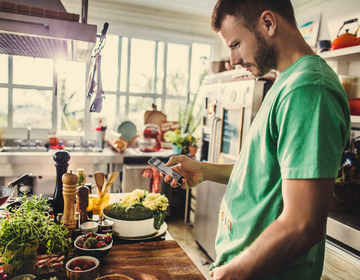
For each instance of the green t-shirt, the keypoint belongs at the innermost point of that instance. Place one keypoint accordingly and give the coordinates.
(299, 132)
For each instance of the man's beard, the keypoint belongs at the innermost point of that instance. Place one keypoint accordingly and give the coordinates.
(265, 57)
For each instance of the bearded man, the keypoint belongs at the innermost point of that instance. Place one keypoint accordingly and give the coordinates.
(279, 190)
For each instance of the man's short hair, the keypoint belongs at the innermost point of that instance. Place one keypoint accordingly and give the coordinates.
(248, 11)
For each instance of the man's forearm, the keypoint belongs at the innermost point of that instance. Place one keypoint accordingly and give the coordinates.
(219, 173)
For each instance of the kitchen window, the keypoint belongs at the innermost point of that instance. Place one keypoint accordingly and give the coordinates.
(136, 72)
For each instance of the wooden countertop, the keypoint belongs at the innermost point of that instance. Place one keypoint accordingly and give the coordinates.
(150, 261)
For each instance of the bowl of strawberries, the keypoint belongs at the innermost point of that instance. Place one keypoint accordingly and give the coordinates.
(92, 244)
(83, 267)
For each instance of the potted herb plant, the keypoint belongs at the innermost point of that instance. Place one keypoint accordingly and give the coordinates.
(175, 138)
(30, 227)
(193, 144)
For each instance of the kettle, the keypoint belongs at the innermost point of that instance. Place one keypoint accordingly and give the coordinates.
(347, 39)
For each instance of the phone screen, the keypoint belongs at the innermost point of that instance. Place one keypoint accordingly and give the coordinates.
(159, 165)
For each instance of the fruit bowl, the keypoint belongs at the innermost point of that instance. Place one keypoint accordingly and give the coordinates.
(75, 268)
(94, 251)
(130, 229)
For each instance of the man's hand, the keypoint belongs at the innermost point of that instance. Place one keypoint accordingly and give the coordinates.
(188, 168)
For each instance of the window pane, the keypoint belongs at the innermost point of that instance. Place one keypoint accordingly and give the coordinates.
(142, 66)
(124, 63)
(138, 106)
(160, 68)
(172, 109)
(4, 75)
(109, 63)
(200, 58)
(107, 114)
(33, 71)
(32, 108)
(71, 94)
(177, 69)
(3, 107)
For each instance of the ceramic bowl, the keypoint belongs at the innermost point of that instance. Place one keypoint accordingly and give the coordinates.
(89, 226)
(23, 276)
(129, 229)
(98, 253)
(89, 274)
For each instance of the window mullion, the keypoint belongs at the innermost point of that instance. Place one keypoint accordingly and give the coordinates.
(128, 79)
(155, 63)
(54, 124)
(10, 91)
(189, 72)
(164, 93)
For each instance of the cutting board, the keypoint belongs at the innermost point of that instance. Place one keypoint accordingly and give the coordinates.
(154, 116)
(150, 260)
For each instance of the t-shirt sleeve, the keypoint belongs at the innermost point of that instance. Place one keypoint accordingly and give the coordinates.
(312, 129)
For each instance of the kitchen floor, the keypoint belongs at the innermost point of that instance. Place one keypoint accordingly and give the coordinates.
(183, 234)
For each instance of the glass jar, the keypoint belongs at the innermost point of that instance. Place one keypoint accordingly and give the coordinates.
(349, 85)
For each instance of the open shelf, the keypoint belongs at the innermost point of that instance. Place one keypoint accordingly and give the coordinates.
(345, 54)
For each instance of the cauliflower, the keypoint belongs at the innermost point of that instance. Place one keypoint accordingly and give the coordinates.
(133, 197)
(156, 202)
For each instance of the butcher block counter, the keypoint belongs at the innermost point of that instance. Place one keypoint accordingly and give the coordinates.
(150, 261)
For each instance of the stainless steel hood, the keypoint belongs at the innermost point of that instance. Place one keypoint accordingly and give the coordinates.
(35, 36)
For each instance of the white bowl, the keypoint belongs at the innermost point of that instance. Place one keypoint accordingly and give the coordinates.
(122, 228)
(89, 226)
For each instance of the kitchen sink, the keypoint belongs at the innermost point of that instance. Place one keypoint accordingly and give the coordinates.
(84, 150)
(24, 149)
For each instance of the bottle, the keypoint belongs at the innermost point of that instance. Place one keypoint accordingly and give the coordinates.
(76, 231)
(82, 177)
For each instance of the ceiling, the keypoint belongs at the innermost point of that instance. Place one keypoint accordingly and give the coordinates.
(201, 7)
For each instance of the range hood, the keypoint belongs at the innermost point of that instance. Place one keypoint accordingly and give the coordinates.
(36, 36)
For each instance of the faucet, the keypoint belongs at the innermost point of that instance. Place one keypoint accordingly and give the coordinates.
(81, 138)
(28, 136)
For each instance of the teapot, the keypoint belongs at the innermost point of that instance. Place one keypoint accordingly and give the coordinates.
(347, 39)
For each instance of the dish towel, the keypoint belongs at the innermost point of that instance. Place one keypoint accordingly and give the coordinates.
(155, 176)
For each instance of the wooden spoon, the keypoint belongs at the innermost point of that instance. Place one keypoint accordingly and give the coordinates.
(109, 183)
(99, 180)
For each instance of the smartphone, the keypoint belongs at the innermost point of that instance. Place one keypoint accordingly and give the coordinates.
(159, 165)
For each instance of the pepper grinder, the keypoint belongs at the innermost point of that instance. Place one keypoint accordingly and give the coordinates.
(61, 159)
(82, 202)
(69, 193)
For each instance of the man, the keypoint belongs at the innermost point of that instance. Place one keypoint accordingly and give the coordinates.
(273, 215)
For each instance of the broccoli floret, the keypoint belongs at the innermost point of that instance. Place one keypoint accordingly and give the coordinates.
(138, 211)
(117, 212)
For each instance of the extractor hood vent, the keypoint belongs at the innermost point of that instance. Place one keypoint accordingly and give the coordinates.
(36, 36)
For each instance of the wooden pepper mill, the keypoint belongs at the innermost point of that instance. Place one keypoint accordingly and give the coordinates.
(69, 192)
(82, 202)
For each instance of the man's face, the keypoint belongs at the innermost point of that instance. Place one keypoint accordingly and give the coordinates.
(248, 48)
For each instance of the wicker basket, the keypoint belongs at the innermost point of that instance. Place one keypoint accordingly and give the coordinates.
(114, 277)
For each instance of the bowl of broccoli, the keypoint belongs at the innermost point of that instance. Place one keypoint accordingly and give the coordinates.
(138, 214)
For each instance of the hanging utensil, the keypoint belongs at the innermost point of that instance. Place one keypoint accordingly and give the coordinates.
(96, 105)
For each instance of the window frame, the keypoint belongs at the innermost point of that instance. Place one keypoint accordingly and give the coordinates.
(88, 133)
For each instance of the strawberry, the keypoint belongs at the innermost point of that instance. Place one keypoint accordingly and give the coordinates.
(85, 267)
(108, 239)
(77, 269)
(101, 244)
(90, 234)
(99, 238)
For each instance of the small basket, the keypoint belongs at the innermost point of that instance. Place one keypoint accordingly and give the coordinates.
(114, 277)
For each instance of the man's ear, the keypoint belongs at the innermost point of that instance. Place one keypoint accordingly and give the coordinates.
(268, 22)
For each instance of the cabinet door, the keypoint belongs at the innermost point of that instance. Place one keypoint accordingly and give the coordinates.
(340, 264)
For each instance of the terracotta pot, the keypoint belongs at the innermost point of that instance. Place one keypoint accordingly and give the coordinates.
(193, 151)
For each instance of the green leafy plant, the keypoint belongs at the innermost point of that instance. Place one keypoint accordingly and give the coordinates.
(30, 225)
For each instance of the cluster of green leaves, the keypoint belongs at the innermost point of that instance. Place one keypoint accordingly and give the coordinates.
(27, 225)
